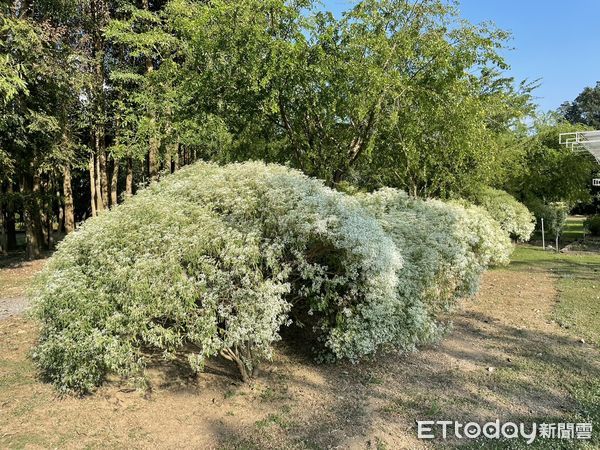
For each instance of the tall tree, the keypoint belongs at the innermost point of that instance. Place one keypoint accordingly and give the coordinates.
(395, 92)
(585, 109)
(551, 172)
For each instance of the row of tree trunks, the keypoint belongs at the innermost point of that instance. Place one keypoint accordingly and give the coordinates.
(37, 211)
(104, 177)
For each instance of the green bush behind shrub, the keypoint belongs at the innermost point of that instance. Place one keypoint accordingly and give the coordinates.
(592, 224)
(554, 215)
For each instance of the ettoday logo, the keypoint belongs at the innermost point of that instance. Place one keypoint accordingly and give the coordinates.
(432, 429)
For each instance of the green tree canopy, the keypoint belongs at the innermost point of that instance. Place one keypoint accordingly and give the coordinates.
(585, 109)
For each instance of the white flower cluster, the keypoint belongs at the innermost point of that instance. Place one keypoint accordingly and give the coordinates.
(513, 216)
(216, 259)
(445, 246)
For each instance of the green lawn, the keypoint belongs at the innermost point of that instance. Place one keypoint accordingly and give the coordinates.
(573, 229)
(578, 312)
(578, 283)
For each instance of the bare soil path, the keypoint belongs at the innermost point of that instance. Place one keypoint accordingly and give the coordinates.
(15, 277)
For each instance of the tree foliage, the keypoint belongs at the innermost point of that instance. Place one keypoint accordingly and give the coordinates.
(396, 93)
(585, 109)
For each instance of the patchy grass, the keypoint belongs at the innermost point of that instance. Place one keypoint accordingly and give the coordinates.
(573, 231)
(525, 325)
(578, 284)
(16, 275)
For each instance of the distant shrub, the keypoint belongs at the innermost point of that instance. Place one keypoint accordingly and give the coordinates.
(592, 224)
(446, 247)
(554, 215)
(513, 216)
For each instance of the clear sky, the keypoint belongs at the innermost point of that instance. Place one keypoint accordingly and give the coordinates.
(555, 40)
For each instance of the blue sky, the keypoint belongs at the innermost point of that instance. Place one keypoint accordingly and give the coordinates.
(555, 40)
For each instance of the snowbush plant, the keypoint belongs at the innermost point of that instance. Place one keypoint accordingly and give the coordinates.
(155, 273)
(446, 247)
(342, 264)
(217, 259)
(513, 216)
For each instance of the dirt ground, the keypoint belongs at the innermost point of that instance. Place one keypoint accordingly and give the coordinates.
(15, 276)
(505, 358)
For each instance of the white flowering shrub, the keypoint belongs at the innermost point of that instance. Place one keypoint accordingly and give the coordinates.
(155, 273)
(513, 216)
(217, 259)
(488, 242)
(343, 266)
(446, 247)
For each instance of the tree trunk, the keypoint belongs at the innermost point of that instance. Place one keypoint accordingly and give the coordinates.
(100, 201)
(9, 220)
(92, 170)
(46, 214)
(154, 143)
(103, 173)
(69, 214)
(33, 227)
(3, 241)
(153, 159)
(114, 179)
(175, 158)
(129, 178)
(61, 218)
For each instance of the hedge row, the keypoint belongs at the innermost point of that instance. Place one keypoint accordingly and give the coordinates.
(217, 259)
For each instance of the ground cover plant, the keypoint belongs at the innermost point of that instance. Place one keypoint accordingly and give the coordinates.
(216, 259)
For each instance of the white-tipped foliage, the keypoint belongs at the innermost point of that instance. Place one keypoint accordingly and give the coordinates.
(217, 259)
(513, 216)
(213, 259)
(446, 247)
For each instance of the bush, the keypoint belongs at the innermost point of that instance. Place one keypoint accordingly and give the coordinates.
(488, 242)
(216, 258)
(592, 224)
(446, 247)
(513, 216)
(554, 215)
